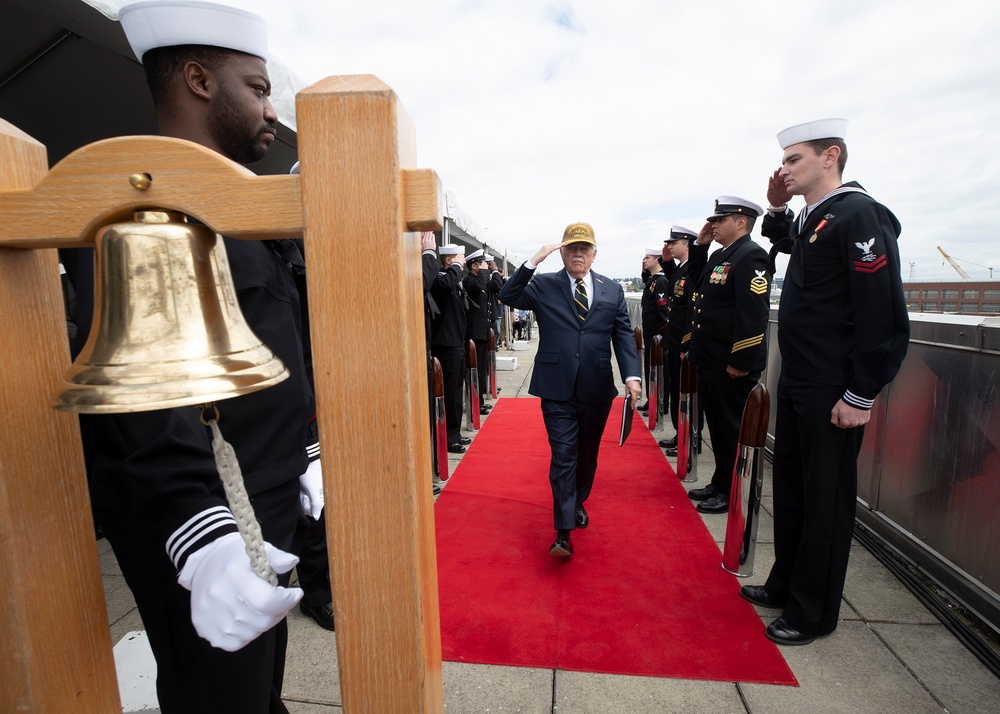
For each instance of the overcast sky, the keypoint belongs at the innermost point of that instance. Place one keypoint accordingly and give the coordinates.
(634, 115)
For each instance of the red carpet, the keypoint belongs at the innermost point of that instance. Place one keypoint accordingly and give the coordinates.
(644, 594)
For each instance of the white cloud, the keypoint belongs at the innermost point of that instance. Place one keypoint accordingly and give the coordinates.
(634, 115)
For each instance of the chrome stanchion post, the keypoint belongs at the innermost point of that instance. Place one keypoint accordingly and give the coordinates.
(687, 424)
(748, 481)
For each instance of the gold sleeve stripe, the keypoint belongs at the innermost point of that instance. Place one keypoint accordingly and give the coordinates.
(748, 342)
(686, 338)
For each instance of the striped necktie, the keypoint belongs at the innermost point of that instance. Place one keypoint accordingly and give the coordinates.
(580, 297)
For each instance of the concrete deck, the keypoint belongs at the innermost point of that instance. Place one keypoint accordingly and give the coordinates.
(889, 653)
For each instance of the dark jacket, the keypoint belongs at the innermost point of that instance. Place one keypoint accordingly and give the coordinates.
(842, 318)
(574, 357)
(448, 328)
(730, 306)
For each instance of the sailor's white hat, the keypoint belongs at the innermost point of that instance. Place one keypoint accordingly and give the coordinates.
(150, 24)
(819, 129)
(680, 233)
(654, 251)
(726, 205)
(451, 249)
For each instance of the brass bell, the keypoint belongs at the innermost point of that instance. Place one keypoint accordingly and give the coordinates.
(167, 328)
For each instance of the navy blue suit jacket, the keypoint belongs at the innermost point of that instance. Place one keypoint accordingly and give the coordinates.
(574, 357)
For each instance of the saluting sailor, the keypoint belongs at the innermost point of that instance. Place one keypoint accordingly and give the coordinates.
(676, 247)
(448, 339)
(843, 332)
(653, 310)
(729, 312)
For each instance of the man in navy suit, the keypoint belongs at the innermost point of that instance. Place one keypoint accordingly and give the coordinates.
(580, 316)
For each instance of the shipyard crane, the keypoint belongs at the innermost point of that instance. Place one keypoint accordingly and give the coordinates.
(956, 266)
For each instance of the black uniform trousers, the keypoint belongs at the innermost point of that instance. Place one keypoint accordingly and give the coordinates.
(452, 361)
(815, 497)
(574, 429)
(722, 399)
(483, 365)
(433, 412)
(647, 341)
(673, 391)
(673, 388)
(192, 677)
(313, 568)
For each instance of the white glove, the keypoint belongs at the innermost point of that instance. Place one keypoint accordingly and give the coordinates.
(230, 604)
(311, 490)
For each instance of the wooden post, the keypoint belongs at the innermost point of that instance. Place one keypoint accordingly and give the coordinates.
(366, 302)
(54, 636)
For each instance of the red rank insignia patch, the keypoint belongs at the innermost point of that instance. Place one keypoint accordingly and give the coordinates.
(870, 262)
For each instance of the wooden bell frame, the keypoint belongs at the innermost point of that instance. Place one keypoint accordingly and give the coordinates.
(358, 195)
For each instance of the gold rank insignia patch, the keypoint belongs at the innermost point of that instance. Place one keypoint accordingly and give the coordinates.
(758, 284)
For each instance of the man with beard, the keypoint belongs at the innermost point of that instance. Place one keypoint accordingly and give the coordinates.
(216, 629)
(580, 316)
(843, 331)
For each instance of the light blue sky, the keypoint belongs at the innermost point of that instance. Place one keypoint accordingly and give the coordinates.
(635, 114)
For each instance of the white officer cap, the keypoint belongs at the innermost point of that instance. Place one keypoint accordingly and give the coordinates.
(680, 233)
(819, 129)
(654, 251)
(451, 249)
(727, 205)
(150, 24)
(475, 257)
(487, 257)
(294, 169)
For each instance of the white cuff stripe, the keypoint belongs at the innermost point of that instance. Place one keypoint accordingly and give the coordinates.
(195, 528)
(857, 402)
(312, 451)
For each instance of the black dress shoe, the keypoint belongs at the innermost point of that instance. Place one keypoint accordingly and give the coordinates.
(784, 634)
(758, 596)
(668, 443)
(322, 614)
(582, 519)
(719, 503)
(464, 440)
(456, 448)
(644, 407)
(563, 547)
(702, 494)
(484, 411)
(484, 405)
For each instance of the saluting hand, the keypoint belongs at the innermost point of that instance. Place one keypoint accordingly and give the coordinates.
(777, 193)
(427, 241)
(544, 252)
(705, 234)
